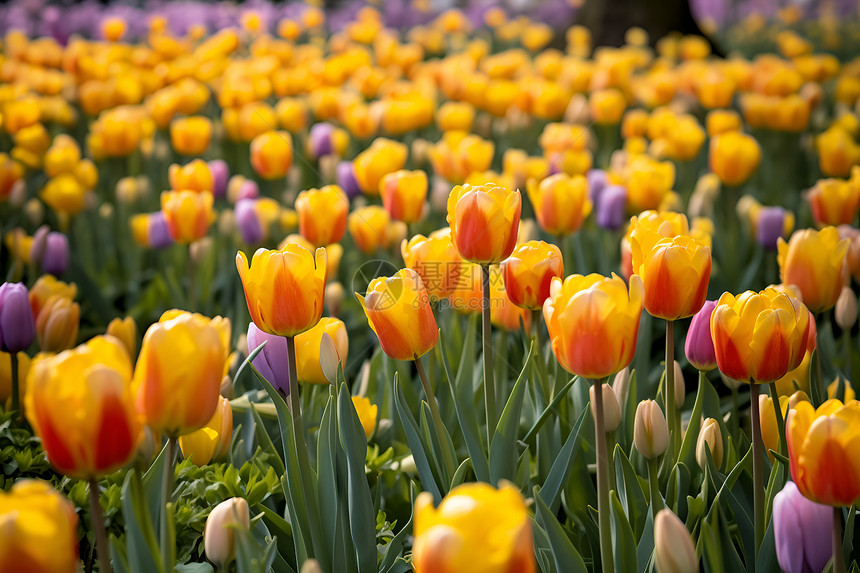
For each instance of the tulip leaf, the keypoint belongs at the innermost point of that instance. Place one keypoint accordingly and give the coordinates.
(712, 557)
(545, 415)
(677, 488)
(431, 437)
(416, 443)
(394, 547)
(327, 446)
(282, 531)
(623, 543)
(466, 417)
(505, 438)
(767, 552)
(645, 548)
(630, 492)
(362, 517)
(141, 543)
(461, 473)
(265, 441)
(560, 470)
(151, 483)
(564, 554)
(118, 555)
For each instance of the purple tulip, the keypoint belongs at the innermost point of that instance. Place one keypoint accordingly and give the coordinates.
(248, 190)
(771, 226)
(346, 179)
(40, 243)
(803, 531)
(17, 326)
(612, 207)
(699, 346)
(319, 139)
(597, 182)
(56, 260)
(271, 362)
(248, 222)
(159, 234)
(220, 174)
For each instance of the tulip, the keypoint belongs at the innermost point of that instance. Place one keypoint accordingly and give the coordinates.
(366, 414)
(822, 461)
(675, 272)
(272, 154)
(484, 221)
(561, 202)
(837, 151)
(30, 502)
(88, 429)
(46, 287)
(190, 135)
(759, 336)
(322, 214)
(650, 431)
(325, 139)
(53, 257)
(457, 155)
(346, 178)
(768, 422)
(57, 324)
(369, 227)
(529, 271)
(310, 351)
(607, 106)
(222, 524)
(721, 121)
(455, 116)
(187, 214)
(648, 182)
(124, 330)
(254, 217)
(62, 157)
(403, 194)
(845, 312)
(398, 310)
(699, 346)
(710, 438)
(814, 262)
(834, 202)
(611, 408)
(150, 230)
(802, 530)
(476, 528)
(382, 157)
(271, 362)
(611, 207)
(193, 176)
(767, 224)
(220, 175)
(64, 194)
(17, 326)
(284, 289)
(733, 157)
(593, 322)
(504, 313)
(212, 441)
(674, 551)
(179, 371)
(436, 260)
(292, 114)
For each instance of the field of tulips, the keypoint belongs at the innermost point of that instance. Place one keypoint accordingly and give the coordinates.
(385, 291)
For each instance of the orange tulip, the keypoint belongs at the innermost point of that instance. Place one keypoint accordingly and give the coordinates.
(193, 176)
(436, 260)
(561, 202)
(187, 214)
(272, 154)
(403, 194)
(190, 135)
(484, 221)
(814, 262)
(529, 271)
(322, 214)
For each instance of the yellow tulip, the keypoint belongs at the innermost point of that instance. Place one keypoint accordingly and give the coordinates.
(734, 156)
(814, 262)
(124, 330)
(436, 260)
(62, 157)
(403, 194)
(455, 116)
(322, 214)
(382, 157)
(64, 194)
(398, 310)
(187, 214)
(284, 289)
(837, 151)
(57, 324)
(40, 529)
(834, 201)
(457, 155)
(272, 154)
(476, 528)
(190, 135)
(368, 226)
(310, 351)
(484, 221)
(212, 441)
(648, 182)
(710, 438)
(179, 371)
(821, 451)
(555, 191)
(607, 106)
(529, 271)
(366, 414)
(46, 287)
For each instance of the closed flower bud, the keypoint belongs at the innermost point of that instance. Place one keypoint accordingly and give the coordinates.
(334, 298)
(124, 330)
(436, 260)
(212, 441)
(366, 414)
(271, 361)
(403, 194)
(611, 207)
(611, 409)
(369, 226)
(57, 324)
(674, 551)
(699, 346)
(219, 534)
(650, 431)
(734, 157)
(17, 325)
(710, 438)
(802, 530)
(846, 309)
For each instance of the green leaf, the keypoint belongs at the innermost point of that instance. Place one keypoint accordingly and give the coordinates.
(767, 552)
(624, 546)
(560, 470)
(630, 492)
(362, 517)
(265, 441)
(395, 546)
(466, 415)
(565, 556)
(141, 544)
(194, 568)
(282, 531)
(645, 548)
(416, 444)
(328, 448)
(461, 473)
(545, 415)
(118, 555)
(505, 438)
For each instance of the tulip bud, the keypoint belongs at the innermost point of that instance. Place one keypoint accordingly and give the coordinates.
(650, 431)
(846, 309)
(731, 383)
(212, 441)
(611, 409)
(673, 547)
(334, 298)
(17, 327)
(621, 385)
(711, 437)
(200, 250)
(219, 534)
(699, 346)
(34, 211)
(311, 566)
(680, 386)
(57, 324)
(125, 330)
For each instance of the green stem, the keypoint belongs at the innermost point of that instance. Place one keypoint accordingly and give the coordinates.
(16, 406)
(98, 525)
(489, 382)
(671, 412)
(780, 421)
(654, 487)
(838, 555)
(192, 281)
(846, 339)
(758, 470)
(447, 453)
(736, 410)
(166, 496)
(602, 481)
(302, 449)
